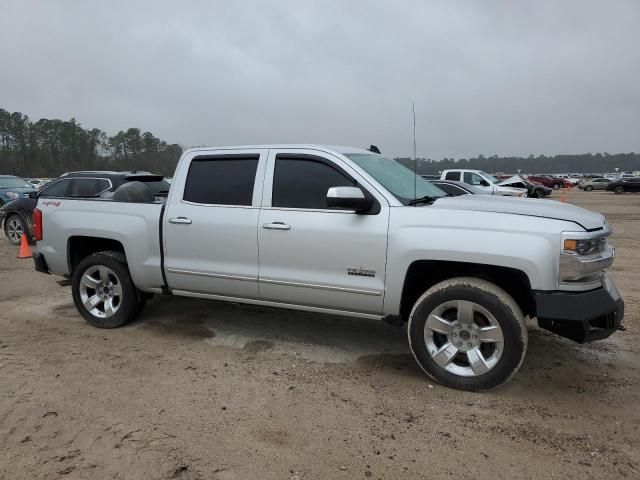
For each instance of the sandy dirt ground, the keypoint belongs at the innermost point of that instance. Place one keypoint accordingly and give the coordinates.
(206, 390)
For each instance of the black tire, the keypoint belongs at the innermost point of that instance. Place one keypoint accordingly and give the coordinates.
(10, 224)
(619, 190)
(493, 300)
(556, 186)
(536, 194)
(129, 303)
(588, 188)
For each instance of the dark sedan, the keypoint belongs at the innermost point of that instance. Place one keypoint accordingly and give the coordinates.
(455, 189)
(16, 216)
(624, 185)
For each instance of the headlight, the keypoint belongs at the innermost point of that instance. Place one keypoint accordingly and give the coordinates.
(12, 195)
(584, 258)
(584, 246)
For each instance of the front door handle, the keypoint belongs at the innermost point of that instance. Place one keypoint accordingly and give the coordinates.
(180, 220)
(276, 226)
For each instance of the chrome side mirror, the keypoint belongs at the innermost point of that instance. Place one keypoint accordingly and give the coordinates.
(349, 198)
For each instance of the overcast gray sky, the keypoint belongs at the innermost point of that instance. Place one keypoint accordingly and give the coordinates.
(491, 77)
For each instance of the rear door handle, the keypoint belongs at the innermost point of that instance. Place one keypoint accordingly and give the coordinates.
(180, 220)
(276, 226)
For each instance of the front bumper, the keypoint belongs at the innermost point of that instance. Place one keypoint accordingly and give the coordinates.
(581, 316)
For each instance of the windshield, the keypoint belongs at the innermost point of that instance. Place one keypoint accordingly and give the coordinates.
(13, 182)
(395, 177)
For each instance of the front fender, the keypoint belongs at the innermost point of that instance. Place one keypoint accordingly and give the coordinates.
(514, 241)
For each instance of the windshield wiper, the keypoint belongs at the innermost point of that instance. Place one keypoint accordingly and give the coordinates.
(426, 199)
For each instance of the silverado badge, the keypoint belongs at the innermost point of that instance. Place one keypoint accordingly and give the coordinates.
(361, 272)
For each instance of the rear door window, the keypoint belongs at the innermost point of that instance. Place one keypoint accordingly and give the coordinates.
(452, 176)
(221, 180)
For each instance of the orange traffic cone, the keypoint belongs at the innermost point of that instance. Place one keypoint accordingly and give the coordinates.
(25, 251)
(563, 195)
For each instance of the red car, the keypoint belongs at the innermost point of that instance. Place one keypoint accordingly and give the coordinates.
(549, 181)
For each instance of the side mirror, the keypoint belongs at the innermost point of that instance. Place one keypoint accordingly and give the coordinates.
(349, 198)
(484, 183)
(33, 195)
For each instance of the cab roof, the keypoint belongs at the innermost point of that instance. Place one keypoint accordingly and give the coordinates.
(334, 148)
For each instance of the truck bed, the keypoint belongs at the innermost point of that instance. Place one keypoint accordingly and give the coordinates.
(135, 225)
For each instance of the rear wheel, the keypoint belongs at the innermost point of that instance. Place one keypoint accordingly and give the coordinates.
(556, 186)
(588, 188)
(14, 228)
(103, 291)
(467, 333)
(619, 190)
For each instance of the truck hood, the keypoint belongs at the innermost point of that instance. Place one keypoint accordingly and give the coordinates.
(522, 206)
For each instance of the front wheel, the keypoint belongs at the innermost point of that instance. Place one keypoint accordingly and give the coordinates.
(103, 291)
(588, 188)
(619, 190)
(468, 333)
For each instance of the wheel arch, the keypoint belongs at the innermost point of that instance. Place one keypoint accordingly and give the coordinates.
(423, 274)
(80, 247)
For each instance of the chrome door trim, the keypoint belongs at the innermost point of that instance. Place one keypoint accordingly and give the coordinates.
(213, 275)
(264, 303)
(375, 293)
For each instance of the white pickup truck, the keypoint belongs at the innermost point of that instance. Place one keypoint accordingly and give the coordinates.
(342, 231)
(484, 181)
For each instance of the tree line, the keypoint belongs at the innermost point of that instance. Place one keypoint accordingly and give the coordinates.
(47, 148)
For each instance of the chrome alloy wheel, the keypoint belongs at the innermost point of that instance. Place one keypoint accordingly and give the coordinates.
(464, 338)
(100, 291)
(14, 229)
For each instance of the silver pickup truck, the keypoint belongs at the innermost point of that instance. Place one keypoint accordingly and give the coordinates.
(342, 231)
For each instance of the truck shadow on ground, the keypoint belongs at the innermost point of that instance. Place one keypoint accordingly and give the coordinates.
(317, 337)
(369, 344)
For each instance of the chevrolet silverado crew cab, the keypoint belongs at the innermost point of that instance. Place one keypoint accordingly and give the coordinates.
(348, 232)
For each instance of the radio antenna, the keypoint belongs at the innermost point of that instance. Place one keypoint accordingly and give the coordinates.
(415, 160)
